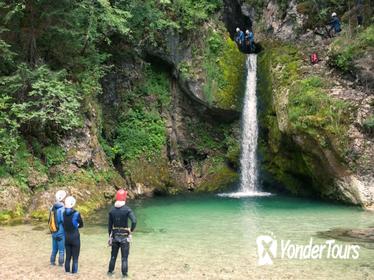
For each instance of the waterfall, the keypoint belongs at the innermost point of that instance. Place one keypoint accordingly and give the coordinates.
(248, 158)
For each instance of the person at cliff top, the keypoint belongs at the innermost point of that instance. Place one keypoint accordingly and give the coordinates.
(249, 41)
(119, 231)
(335, 24)
(239, 38)
(58, 240)
(72, 221)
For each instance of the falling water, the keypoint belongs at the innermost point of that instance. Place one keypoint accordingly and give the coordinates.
(248, 160)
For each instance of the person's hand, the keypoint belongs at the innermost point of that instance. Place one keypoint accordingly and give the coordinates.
(110, 241)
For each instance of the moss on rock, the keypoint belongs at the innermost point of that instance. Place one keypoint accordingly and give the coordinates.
(299, 123)
(218, 179)
(218, 63)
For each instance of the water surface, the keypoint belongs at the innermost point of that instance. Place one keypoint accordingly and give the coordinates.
(203, 237)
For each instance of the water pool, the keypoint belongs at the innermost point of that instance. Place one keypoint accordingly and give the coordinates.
(205, 237)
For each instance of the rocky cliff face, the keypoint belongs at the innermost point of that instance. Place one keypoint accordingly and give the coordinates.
(313, 138)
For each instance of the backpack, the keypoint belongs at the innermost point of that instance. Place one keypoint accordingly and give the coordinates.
(52, 220)
(314, 58)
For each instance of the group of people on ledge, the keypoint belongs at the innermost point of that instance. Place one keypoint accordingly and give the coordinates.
(245, 42)
(64, 223)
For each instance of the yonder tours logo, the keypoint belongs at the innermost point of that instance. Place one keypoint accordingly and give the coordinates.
(269, 248)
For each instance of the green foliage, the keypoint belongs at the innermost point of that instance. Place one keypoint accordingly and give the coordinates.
(157, 84)
(8, 132)
(51, 59)
(191, 13)
(140, 130)
(152, 18)
(51, 100)
(185, 69)
(6, 55)
(140, 133)
(22, 165)
(53, 155)
(216, 139)
(344, 51)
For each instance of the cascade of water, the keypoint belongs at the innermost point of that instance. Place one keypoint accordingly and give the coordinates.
(248, 159)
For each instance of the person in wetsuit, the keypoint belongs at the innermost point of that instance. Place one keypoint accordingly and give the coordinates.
(335, 25)
(58, 237)
(239, 38)
(119, 231)
(249, 41)
(72, 221)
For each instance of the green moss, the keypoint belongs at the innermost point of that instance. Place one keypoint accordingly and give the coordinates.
(233, 154)
(152, 173)
(312, 111)
(5, 216)
(41, 215)
(13, 217)
(222, 66)
(219, 180)
(231, 64)
(86, 208)
(300, 104)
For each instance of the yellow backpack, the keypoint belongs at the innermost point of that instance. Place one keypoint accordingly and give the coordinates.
(52, 221)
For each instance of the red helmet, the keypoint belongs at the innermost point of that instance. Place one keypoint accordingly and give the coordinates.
(121, 195)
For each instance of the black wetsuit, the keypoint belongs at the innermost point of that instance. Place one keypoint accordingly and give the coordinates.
(72, 221)
(118, 221)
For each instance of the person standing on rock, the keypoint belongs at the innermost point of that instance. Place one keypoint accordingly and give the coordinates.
(72, 222)
(249, 41)
(56, 227)
(119, 231)
(239, 38)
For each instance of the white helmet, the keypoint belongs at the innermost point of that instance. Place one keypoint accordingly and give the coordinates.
(60, 195)
(237, 29)
(333, 14)
(70, 202)
(247, 31)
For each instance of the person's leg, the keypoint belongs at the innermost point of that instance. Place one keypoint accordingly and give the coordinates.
(75, 252)
(54, 251)
(68, 249)
(113, 257)
(125, 250)
(61, 250)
